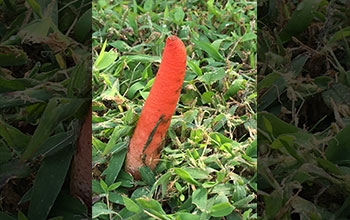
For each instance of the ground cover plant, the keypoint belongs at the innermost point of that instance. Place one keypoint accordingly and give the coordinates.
(45, 88)
(303, 119)
(207, 168)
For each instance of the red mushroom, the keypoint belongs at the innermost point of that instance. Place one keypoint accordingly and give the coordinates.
(146, 143)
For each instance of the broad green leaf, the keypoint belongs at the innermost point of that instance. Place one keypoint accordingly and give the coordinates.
(196, 173)
(82, 28)
(329, 166)
(11, 85)
(143, 59)
(104, 186)
(190, 115)
(273, 203)
(209, 49)
(298, 64)
(185, 176)
(78, 80)
(268, 80)
(36, 31)
(209, 184)
(73, 207)
(251, 150)
(25, 97)
(304, 13)
(338, 150)
(131, 205)
(114, 166)
(133, 22)
(154, 207)
(340, 94)
(48, 183)
(116, 198)
(134, 88)
(199, 198)
(234, 88)
(339, 35)
(239, 192)
(243, 203)
(100, 56)
(179, 15)
(140, 192)
(163, 180)
(166, 12)
(220, 138)
(207, 97)
(271, 95)
(13, 169)
(12, 56)
(194, 67)
(148, 6)
(55, 143)
(5, 154)
(248, 36)
(36, 7)
(186, 216)
(221, 209)
(120, 45)
(151, 204)
(21, 216)
(99, 209)
(13, 137)
(216, 44)
(277, 126)
(211, 77)
(147, 175)
(96, 187)
(288, 143)
(107, 59)
(117, 133)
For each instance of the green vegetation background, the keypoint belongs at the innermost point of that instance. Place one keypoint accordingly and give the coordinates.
(208, 165)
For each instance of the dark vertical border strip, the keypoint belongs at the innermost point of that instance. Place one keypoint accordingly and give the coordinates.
(303, 105)
(45, 94)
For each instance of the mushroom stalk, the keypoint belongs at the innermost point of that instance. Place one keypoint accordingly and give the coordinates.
(80, 185)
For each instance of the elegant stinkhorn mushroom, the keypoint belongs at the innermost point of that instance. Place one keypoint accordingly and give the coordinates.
(146, 143)
(80, 184)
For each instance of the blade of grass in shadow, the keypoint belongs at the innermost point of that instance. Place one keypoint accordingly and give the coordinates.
(55, 143)
(79, 80)
(5, 216)
(304, 13)
(12, 56)
(48, 183)
(9, 85)
(25, 97)
(12, 169)
(57, 110)
(13, 136)
(338, 150)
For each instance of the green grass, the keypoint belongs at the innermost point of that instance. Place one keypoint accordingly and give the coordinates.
(303, 119)
(208, 165)
(44, 91)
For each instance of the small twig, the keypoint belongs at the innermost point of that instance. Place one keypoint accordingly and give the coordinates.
(150, 214)
(305, 46)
